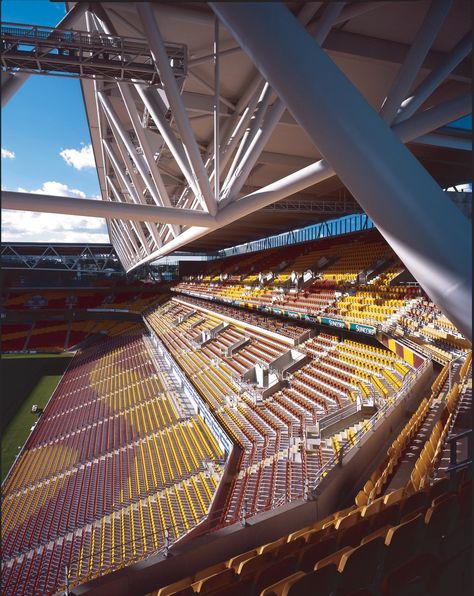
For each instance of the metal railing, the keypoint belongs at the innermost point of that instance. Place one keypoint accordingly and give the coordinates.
(337, 416)
(154, 543)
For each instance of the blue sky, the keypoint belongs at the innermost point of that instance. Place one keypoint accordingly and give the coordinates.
(45, 144)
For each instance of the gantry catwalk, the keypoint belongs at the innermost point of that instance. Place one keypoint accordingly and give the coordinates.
(263, 83)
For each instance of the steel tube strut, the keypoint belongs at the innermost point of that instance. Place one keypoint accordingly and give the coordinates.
(11, 84)
(129, 102)
(433, 118)
(428, 233)
(160, 57)
(25, 201)
(434, 79)
(450, 141)
(420, 47)
(120, 176)
(154, 105)
(217, 169)
(259, 134)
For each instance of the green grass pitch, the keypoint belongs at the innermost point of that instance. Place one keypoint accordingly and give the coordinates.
(26, 380)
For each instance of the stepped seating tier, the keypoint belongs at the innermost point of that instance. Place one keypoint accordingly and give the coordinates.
(110, 467)
(271, 434)
(418, 544)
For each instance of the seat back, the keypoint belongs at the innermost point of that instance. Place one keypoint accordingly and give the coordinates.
(402, 542)
(360, 566)
(320, 581)
(313, 553)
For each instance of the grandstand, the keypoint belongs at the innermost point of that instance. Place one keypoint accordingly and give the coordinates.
(290, 415)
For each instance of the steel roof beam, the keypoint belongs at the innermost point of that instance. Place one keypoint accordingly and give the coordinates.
(97, 208)
(449, 141)
(434, 79)
(364, 152)
(160, 58)
(386, 50)
(416, 126)
(434, 18)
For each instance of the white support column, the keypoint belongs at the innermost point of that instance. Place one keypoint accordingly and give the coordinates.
(425, 37)
(434, 79)
(436, 249)
(273, 115)
(160, 57)
(217, 169)
(157, 189)
(155, 106)
(135, 225)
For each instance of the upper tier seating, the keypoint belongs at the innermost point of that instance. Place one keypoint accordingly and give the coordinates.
(334, 262)
(350, 278)
(13, 337)
(53, 336)
(284, 328)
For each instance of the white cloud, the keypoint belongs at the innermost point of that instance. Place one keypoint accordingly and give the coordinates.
(58, 189)
(79, 158)
(7, 154)
(31, 226)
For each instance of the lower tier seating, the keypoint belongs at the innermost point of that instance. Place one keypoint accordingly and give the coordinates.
(420, 544)
(113, 466)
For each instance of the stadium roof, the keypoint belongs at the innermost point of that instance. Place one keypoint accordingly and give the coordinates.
(368, 42)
